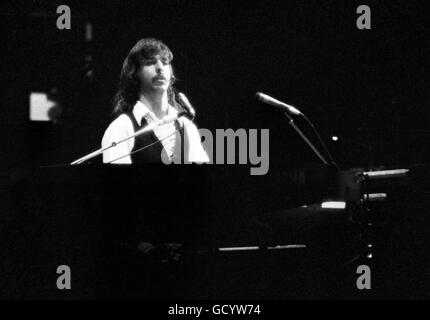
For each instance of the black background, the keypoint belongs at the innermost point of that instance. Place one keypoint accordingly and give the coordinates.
(369, 87)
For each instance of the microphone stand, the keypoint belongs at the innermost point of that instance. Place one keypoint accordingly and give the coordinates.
(291, 123)
(321, 141)
(148, 128)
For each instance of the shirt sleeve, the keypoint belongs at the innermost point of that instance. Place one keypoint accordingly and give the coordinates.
(196, 152)
(119, 129)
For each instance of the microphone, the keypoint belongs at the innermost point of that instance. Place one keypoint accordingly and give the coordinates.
(277, 104)
(185, 103)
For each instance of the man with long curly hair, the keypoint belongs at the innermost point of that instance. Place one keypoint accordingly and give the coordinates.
(146, 94)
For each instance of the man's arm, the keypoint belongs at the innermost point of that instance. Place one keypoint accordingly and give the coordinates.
(119, 129)
(196, 152)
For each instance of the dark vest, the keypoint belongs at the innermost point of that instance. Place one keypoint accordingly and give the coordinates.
(152, 154)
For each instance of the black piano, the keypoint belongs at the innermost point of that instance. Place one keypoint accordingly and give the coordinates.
(191, 231)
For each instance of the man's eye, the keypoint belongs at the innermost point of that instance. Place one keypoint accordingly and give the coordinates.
(149, 62)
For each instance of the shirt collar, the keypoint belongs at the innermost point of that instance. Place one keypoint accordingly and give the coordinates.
(140, 110)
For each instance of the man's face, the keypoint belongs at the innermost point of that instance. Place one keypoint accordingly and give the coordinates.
(155, 75)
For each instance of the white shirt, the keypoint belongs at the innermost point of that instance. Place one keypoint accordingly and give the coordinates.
(122, 127)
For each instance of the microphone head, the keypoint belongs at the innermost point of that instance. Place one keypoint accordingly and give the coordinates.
(185, 103)
(276, 103)
(267, 99)
(260, 96)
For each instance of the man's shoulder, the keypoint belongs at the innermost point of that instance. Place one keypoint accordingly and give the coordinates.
(121, 122)
(119, 127)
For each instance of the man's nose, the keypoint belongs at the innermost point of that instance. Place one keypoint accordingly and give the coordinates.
(159, 66)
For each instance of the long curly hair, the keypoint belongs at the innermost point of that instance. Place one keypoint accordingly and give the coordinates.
(129, 83)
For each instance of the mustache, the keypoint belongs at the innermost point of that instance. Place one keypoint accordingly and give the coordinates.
(156, 78)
